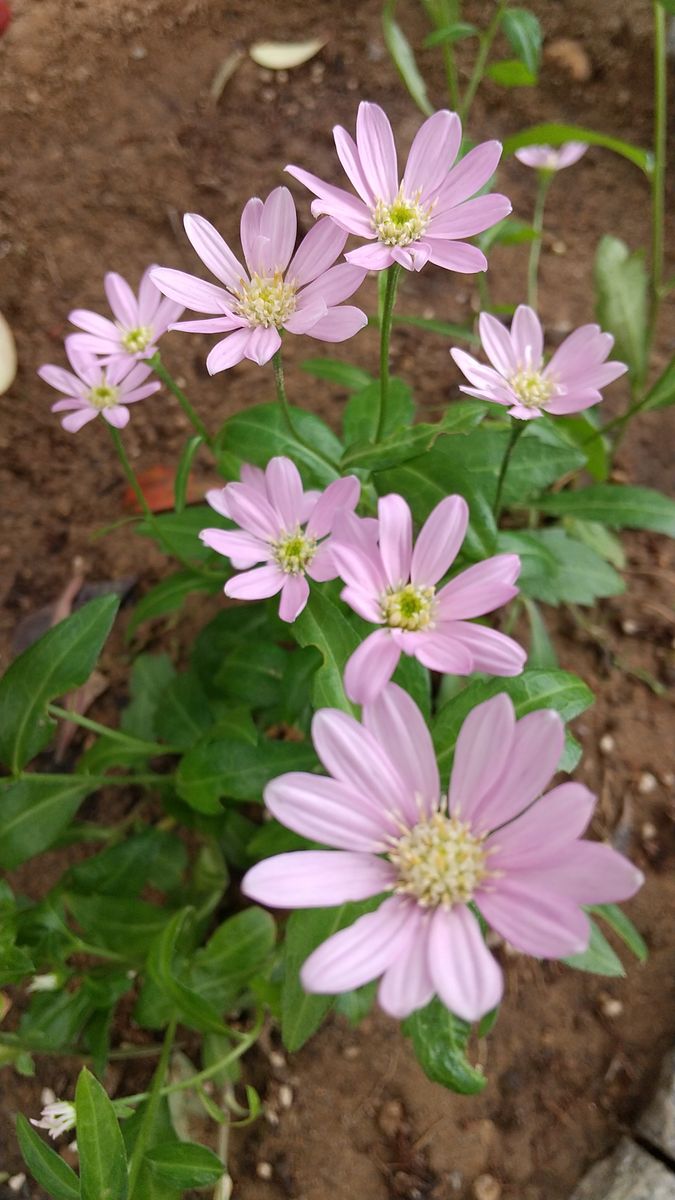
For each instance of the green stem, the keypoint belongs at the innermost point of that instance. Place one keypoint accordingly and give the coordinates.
(545, 178)
(484, 48)
(114, 735)
(146, 779)
(386, 319)
(517, 427)
(285, 408)
(147, 1122)
(449, 14)
(168, 380)
(659, 175)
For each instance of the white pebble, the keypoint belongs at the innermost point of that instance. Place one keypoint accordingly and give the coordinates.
(285, 1096)
(647, 783)
(486, 1187)
(264, 1170)
(611, 1008)
(648, 831)
(607, 743)
(629, 626)
(16, 1182)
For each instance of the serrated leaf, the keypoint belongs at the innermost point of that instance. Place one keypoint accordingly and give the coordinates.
(439, 1040)
(573, 573)
(359, 421)
(45, 1165)
(621, 287)
(236, 770)
(616, 505)
(150, 674)
(59, 662)
(258, 433)
(284, 56)
(119, 923)
(322, 624)
(103, 1160)
(408, 443)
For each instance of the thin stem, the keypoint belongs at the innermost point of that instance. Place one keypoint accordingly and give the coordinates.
(386, 319)
(114, 735)
(285, 408)
(659, 176)
(544, 181)
(147, 1122)
(168, 380)
(449, 14)
(144, 780)
(517, 427)
(484, 48)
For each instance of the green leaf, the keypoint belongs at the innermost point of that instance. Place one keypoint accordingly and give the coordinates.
(573, 573)
(236, 770)
(534, 689)
(523, 32)
(553, 133)
(511, 72)
(150, 674)
(599, 958)
(464, 333)
(103, 1160)
(616, 505)
(258, 433)
(196, 1012)
(623, 927)
(356, 1005)
(454, 32)
(621, 286)
(178, 532)
(662, 393)
(119, 923)
(184, 1164)
(584, 433)
(237, 951)
(439, 1040)
(45, 1165)
(359, 421)
(669, 5)
(345, 374)
(168, 596)
(253, 673)
(404, 59)
(183, 713)
(599, 538)
(58, 663)
(183, 472)
(301, 1013)
(459, 418)
(323, 624)
(542, 655)
(34, 811)
(508, 232)
(121, 870)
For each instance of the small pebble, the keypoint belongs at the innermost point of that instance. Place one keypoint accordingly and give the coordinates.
(317, 72)
(486, 1187)
(610, 1007)
(559, 247)
(456, 1181)
(390, 1118)
(138, 53)
(648, 831)
(351, 1052)
(16, 1182)
(630, 626)
(264, 1170)
(277, 1059)
(647, 783)
(607, 744)
(285, 1096)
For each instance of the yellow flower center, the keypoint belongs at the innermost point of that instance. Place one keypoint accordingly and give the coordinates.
(439, 861)
(293, 552)
(409, 607)
(401, 222)
(137, 339)
(531, 387)
(266, 300)
(103, 396)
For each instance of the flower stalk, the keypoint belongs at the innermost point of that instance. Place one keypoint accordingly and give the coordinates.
(386, 320)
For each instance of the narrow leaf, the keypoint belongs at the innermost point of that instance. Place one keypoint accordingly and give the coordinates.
(45, 1165)
(404, 59)
(103, 1160)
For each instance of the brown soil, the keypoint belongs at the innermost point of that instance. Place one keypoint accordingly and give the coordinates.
(108, 135)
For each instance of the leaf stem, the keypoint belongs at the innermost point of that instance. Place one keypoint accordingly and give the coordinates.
(156, 1091)
(544, 180)
(114, 735)
(386, 320)
(517, 428)
(659, 175)
(484, 47)
(168, 380)
(285, 408)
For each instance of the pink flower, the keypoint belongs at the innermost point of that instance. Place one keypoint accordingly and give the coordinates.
(394, 586)
(570, 382)
(95, 388)
(139, 321)
(548, 158)
(421, 217)
(522, 864)
(281, 526)
(299, 292)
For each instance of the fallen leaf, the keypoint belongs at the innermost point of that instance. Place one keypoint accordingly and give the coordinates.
(8, 361)
(5, 16)
(157, 485)
(78, 701)
(283, 56)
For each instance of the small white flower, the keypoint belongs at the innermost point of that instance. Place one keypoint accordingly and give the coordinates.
(44, 983)
(56, 1118)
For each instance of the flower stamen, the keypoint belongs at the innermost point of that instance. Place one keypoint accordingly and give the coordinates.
(401, 222)
(440, 862)
(266, 300)
(293, 552)
(103, 396)
(135, 340)
(531, 387)
(410, 607)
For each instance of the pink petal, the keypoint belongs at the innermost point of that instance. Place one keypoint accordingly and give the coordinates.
(440, 653)
(432, 153)
(395, 538)
(497, 344)
(229, 352)
(535, 156)
(117, 416)
(253, 511)
(335, 285)
(121, 300)
(316, 879)
(360, 566)
(222, 324)
(570, 153)
(192, 292)
(377, 151)
(574, 402)
(329, 812)
(534, 920)
(595, 376)
(73, 402)
(490, 650)
(351, 214)
(284, 489)
(537, 835)
(62, 380)
(362, 602)
(483, 748)
(305, 317)
(464, 973)
(279, 225)
(245, 547)
(317, 252)
(340, 323)
(262, 344)
(75, 420)
(150, 300)
(217, 498)
(167, 312)
(360, 953)
(349, 157)
(470, 175)
(373, 258)
(91, 343)
(140, 393)
(341, 493)
(407, 985)
(533, 757)
(213, 251)
(249, 233)
(257, 584)
(457, 256)
(371, 666)
(439, 540)
(322, 567)
(586, 346)
(350, 753)
(480, 589)
(527, 337)
(412, 257)
(398, 726)
(294, 596)
(587, 873)
(471, 217)
(92, 323)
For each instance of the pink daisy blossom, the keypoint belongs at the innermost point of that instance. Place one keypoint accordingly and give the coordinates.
(550, 158)
(380, 809)
(96, 389)
(421, 217)
(301, 292)
(139, 321)
(518, 378)
(394, 586)
(281, 526)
